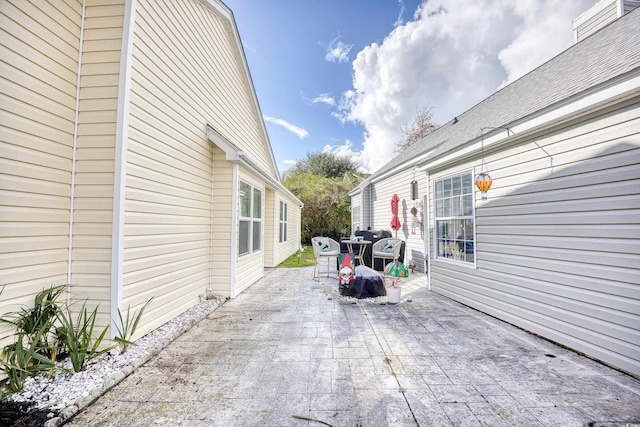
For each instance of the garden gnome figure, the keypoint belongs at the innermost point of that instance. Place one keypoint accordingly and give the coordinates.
(346, 270)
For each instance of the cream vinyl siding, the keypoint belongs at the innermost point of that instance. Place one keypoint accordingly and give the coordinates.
(222, 224)
(270, 227)
(557, 240)
(286, 249)
(178, 51)
(250, 269)
(39, 45)
(188, 54)
(94, 178)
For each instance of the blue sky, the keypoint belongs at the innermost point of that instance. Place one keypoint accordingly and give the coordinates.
(345, 75)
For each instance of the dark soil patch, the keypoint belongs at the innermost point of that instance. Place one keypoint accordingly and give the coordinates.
(17, 414)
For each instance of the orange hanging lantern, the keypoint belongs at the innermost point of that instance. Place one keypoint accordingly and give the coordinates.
(483, 182)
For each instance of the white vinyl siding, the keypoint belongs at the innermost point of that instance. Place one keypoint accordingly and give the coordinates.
(379, 217)
(603, 17)
(557, 239)
(39, 58)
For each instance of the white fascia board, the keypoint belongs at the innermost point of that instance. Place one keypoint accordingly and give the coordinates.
(625, 89)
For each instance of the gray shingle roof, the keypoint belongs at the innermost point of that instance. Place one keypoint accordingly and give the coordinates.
(611, 52)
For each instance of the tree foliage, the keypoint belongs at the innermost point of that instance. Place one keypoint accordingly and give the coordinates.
(421, 126)
(322, 181)
(329, 165)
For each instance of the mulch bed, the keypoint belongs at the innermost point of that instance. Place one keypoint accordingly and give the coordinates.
(17, 414)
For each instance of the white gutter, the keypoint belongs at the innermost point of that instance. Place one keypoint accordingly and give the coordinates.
(119, 181)
(74, 152)
(584, 105)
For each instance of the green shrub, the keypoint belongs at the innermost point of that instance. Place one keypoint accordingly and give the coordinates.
(127, 327)
(47, 331)
(20, 362)
(78, 337)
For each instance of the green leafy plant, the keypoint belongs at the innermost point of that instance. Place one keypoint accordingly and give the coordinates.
(35, 347)
(20, 362)
(78, 337)
(36, 324)
(127, 326)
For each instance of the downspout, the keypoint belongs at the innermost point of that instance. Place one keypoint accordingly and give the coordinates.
(234, 231)
(427, 232)
(73, 154)
(120, 172)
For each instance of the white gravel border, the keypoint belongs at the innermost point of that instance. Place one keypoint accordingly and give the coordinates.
(67, 392)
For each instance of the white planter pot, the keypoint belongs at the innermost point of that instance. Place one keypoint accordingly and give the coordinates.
(393, 295)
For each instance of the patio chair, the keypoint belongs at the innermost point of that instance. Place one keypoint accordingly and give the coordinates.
(387, 248)
(324, 247)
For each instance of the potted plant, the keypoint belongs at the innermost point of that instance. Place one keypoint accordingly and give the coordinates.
(396, 270)
(411, 265)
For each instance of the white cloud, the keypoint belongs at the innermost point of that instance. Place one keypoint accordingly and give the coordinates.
(298, 131)
(450, 57)
(338, 51)
(324, 98)
(400, 19)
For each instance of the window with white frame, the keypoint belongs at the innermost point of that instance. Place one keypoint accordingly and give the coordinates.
(250, 232)
(355, 218)
(284, 222)
(454, 218)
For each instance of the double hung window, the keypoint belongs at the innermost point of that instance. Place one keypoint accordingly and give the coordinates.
(355, 218)
(250, 232)
(284, 221)
(454, 218)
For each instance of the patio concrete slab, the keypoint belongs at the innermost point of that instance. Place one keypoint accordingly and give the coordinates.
(290, 351)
